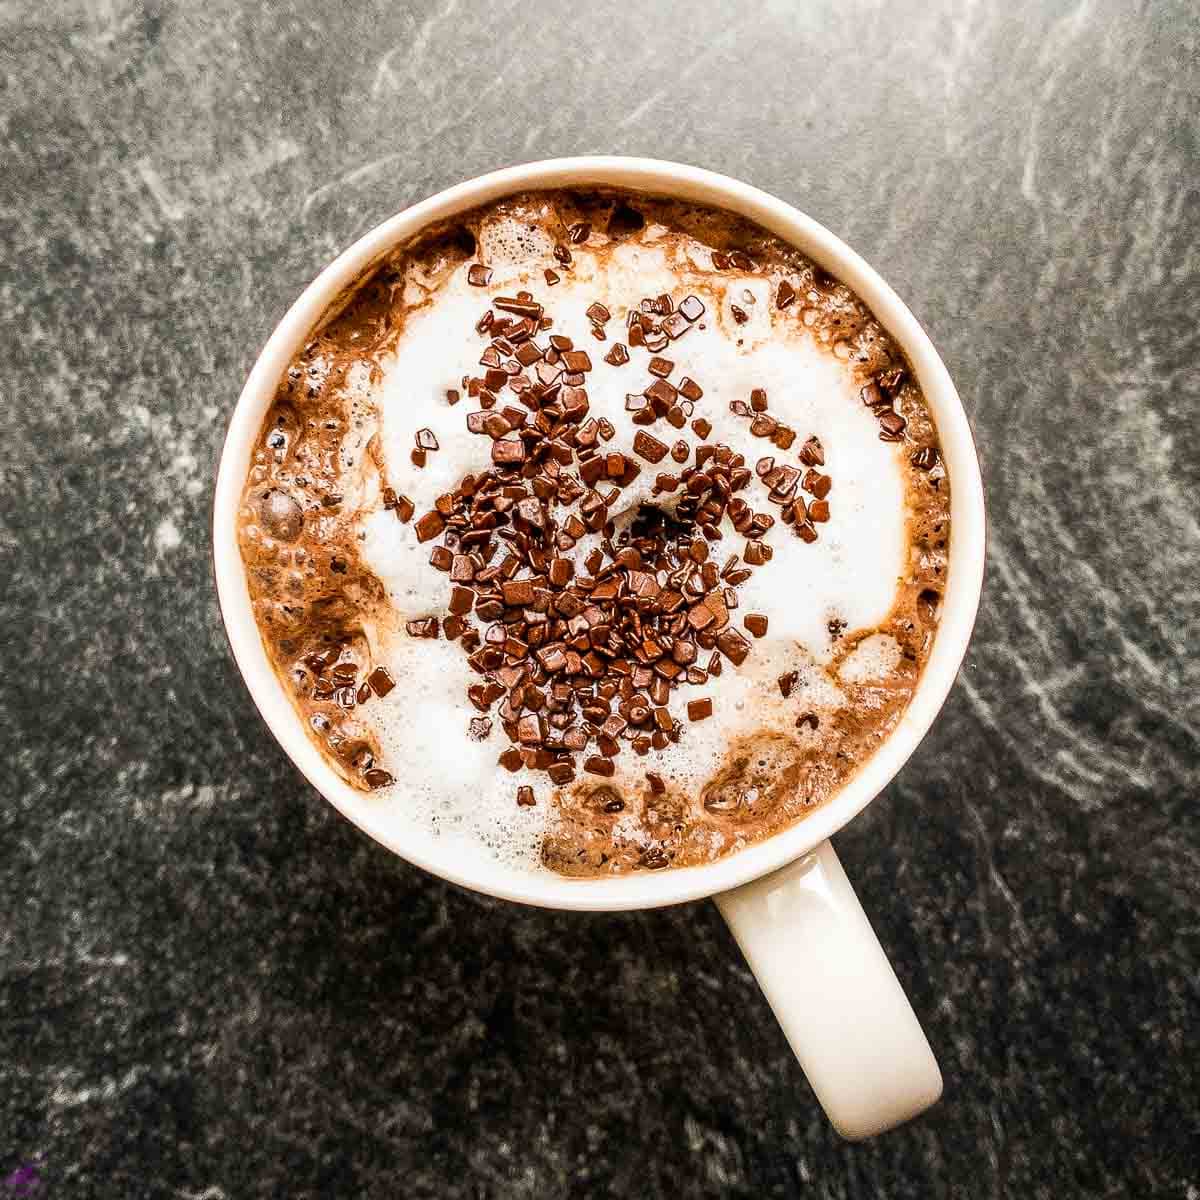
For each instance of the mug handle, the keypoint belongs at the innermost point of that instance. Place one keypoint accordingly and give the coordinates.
(833, 991)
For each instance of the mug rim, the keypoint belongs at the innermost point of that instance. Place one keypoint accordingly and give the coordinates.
(959, 604)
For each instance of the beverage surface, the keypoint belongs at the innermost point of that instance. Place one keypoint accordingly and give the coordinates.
(598, 532)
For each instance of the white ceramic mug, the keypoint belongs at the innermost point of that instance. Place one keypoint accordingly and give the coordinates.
(786, 899)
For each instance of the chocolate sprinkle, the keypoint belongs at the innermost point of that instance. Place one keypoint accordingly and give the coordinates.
(817, 484)
(650, 448)
(429, 526)
(873, 397)
(381, 681)
(756, 623)
(734, 646)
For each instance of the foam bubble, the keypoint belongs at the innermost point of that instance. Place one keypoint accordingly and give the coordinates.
(875, 657)
(512, 243)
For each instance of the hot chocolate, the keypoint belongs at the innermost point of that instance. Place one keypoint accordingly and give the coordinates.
(599, 531)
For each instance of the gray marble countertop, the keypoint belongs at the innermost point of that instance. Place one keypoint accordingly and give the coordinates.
(213, 988)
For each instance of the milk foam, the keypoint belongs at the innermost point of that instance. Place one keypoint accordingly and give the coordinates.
(448, 783)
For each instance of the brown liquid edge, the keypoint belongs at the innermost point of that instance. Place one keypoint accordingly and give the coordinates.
(311, 591)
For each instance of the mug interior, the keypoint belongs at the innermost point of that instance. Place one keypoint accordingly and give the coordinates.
(644, 889)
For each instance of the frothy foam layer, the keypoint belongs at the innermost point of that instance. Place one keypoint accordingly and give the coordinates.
(697, 703)
(452, 783)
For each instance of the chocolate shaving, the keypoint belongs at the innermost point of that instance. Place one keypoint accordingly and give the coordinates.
(873, 395)
(812, 453)
(429, 526)
(734, 646)
(650, 448)
(756, 623)
(380, 681)
(817, 484)
(675, 326)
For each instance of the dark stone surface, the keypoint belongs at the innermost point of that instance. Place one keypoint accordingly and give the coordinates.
(211, 986)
